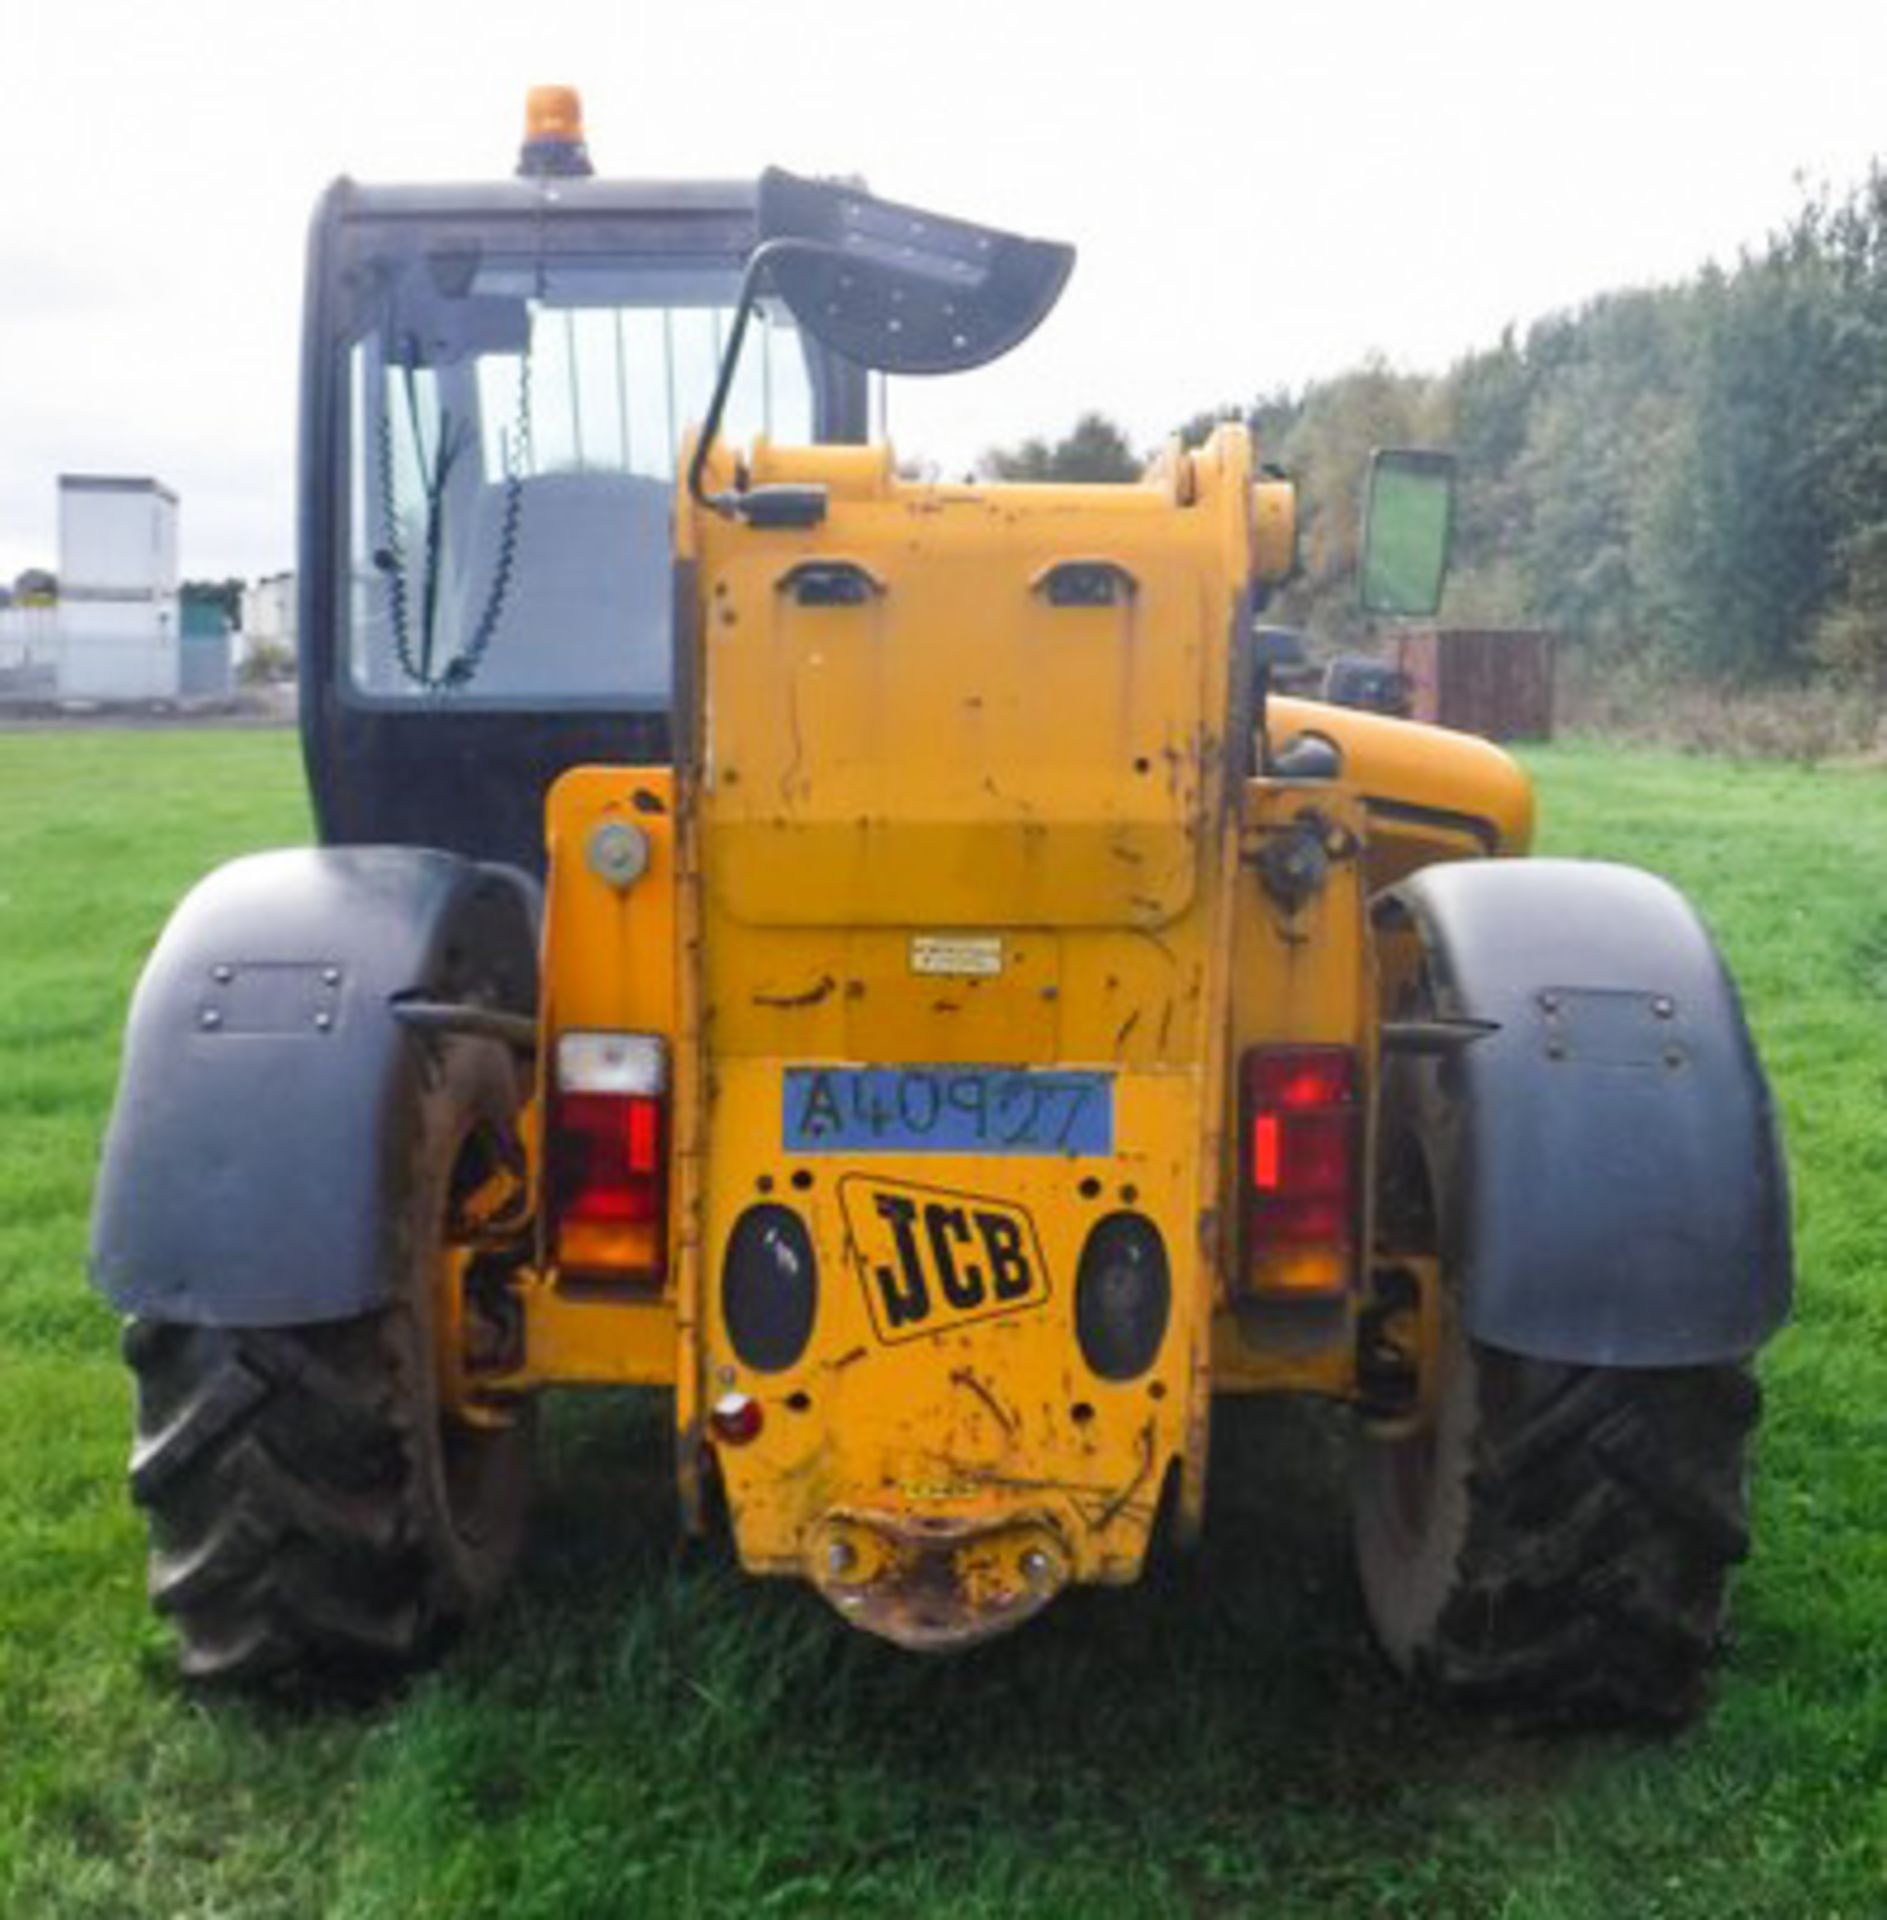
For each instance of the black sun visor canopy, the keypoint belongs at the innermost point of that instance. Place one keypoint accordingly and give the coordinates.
(898, 289)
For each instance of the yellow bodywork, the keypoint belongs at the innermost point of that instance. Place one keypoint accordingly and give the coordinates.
(961, 785)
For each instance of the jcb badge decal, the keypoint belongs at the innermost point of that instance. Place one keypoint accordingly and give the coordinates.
(930, 1258)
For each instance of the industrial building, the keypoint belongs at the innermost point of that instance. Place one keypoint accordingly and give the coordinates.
(119, 625)
(118, 629)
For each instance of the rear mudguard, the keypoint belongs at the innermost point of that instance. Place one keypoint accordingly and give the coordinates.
(268, 1081)
(1613, 1190)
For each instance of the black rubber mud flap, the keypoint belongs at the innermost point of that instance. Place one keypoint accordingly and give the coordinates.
(1614, 1192)
(266, 1072)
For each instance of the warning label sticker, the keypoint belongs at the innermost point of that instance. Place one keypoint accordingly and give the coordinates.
(971, 956)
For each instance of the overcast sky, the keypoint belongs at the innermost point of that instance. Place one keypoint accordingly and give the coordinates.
(1260, 193)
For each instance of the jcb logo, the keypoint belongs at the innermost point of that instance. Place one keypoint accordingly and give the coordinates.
(930, 1258)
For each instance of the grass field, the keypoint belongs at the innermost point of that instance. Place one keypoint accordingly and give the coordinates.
(639, 1731)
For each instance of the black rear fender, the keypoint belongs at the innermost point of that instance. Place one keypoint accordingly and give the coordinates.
(1613, 1190)
(252, 1162)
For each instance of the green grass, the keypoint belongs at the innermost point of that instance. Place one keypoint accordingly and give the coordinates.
(639, 1730)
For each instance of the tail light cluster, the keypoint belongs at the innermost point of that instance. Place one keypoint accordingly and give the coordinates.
(608, 1154)
(1301, 1138)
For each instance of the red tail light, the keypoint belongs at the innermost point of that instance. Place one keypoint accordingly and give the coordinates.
(608, 1157)
(608, 1149)
(1300, 1127)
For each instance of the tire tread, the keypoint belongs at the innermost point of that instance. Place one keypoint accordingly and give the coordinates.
(1607, 1508)
(286, 1529)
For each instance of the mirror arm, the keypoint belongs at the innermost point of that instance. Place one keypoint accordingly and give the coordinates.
(758, 262)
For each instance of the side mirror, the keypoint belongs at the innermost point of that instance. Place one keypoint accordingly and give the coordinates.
(1408, 523)
(897, 289)
(887, 286)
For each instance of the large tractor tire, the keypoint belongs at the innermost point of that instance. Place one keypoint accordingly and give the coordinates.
(315, 1512)
(1556, 1542)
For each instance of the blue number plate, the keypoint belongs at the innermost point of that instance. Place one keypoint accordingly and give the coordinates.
(947, 1110)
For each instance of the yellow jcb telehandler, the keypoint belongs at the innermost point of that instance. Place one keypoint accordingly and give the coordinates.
(875, 960)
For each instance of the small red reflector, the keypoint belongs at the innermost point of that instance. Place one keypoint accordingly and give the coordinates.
(736, 1418)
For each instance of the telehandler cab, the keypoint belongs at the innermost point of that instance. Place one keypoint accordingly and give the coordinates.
(967, 1021)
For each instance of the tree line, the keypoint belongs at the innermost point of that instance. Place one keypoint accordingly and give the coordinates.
(1690, 477)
